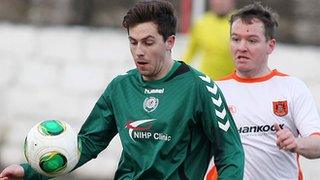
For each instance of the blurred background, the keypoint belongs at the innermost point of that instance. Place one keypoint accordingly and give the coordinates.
(299, 19)
(57, 57)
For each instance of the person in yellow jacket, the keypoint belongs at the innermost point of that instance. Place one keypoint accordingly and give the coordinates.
(210, 36)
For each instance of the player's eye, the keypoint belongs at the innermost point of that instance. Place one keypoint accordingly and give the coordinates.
(235, 39)
(252, 41)
(149, 43)
(133, 42)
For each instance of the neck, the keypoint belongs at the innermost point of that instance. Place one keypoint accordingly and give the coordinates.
(253, 74)
(165, 68)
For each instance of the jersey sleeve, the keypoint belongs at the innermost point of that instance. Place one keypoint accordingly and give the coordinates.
(98, 130)
(220, 128)
(305, 113)
(31, 174)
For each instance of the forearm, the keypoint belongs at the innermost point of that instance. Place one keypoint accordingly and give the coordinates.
(89, 150)
(96, 133)
(309, 147)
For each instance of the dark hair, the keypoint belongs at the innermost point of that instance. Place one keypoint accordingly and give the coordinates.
(257, 11)
(160, 12)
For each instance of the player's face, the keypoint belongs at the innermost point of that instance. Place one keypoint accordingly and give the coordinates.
(250, 48)
(222, 7)
(151, 54)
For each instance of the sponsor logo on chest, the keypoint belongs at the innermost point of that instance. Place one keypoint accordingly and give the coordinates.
(258, 129)
(141, 129)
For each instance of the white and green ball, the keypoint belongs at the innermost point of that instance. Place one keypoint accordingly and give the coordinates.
(51, 148)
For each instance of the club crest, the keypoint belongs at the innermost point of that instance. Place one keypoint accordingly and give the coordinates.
(280, 108)
(150, 104)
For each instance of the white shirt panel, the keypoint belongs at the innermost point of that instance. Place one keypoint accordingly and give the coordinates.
(251, 104)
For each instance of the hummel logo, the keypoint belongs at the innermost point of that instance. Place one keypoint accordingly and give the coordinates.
(222, 114)
(212, 90)
(154, 91)
(206, 79)
(224, 127)
(217, 102)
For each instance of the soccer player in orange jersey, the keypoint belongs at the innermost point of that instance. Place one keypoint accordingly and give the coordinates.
(275, 113)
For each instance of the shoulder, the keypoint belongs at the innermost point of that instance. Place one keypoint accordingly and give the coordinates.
(228, 79)
(127, 75)
(196, 79)
(289, 81)
(122, 79)
(207, 17)
(273, 76)
(199, 76)
(204, 83)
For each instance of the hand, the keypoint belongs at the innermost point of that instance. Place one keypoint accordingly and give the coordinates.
(13, 172)
(285, 139)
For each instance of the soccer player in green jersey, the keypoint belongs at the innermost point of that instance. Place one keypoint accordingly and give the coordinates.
(171, 119)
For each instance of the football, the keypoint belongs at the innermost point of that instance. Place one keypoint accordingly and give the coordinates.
(51, 148)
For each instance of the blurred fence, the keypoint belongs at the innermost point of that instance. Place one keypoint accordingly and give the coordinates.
(299, 19)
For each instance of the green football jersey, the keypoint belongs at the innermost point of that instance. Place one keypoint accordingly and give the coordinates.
(169, 128)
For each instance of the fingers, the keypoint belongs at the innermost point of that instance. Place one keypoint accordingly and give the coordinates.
(285, 139)
(5, 173)
(281, 141)
(277, 127)
(287, 143)
(11, 172)
(281, 136)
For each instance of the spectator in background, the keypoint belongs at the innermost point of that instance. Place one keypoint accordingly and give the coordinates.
(210, 37)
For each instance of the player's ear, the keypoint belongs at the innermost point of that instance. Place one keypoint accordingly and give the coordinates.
(170, 42)
(272, 45)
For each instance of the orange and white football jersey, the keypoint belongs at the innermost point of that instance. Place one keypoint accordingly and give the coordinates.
(256, 104)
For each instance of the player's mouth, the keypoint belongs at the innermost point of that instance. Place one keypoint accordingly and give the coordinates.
(141, 64)
(242, 58)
